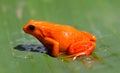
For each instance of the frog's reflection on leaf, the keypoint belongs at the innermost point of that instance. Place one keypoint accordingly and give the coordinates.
(32, 48)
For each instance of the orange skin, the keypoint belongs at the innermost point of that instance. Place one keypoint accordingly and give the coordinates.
(61, 38)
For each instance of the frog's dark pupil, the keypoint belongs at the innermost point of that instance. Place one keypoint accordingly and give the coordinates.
(31, 27)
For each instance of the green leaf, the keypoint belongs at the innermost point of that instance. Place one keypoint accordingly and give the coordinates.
(99, 17)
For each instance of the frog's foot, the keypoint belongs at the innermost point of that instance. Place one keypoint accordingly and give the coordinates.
(74, 56)
(81, 49)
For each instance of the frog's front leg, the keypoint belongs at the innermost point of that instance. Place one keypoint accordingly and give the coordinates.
(81, 48)
(55, 49)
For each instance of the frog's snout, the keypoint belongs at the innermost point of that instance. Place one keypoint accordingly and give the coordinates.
(25, 29)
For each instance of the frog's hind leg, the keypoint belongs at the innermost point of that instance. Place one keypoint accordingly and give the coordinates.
(81, 49)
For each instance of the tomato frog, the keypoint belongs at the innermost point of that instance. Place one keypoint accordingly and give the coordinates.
(59, 38)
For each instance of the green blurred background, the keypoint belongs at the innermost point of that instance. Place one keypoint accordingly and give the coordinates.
(100, 17)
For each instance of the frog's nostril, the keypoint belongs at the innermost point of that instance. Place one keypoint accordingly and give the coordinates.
(31, 27)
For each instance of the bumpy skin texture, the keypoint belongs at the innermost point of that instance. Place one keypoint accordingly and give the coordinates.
(61, 38)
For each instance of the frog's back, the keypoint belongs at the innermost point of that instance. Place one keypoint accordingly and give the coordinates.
(68, 33)
(58, 27)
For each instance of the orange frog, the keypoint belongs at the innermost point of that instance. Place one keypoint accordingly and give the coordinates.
(61, 38)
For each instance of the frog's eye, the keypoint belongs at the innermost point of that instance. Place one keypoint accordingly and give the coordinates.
(31, 27)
